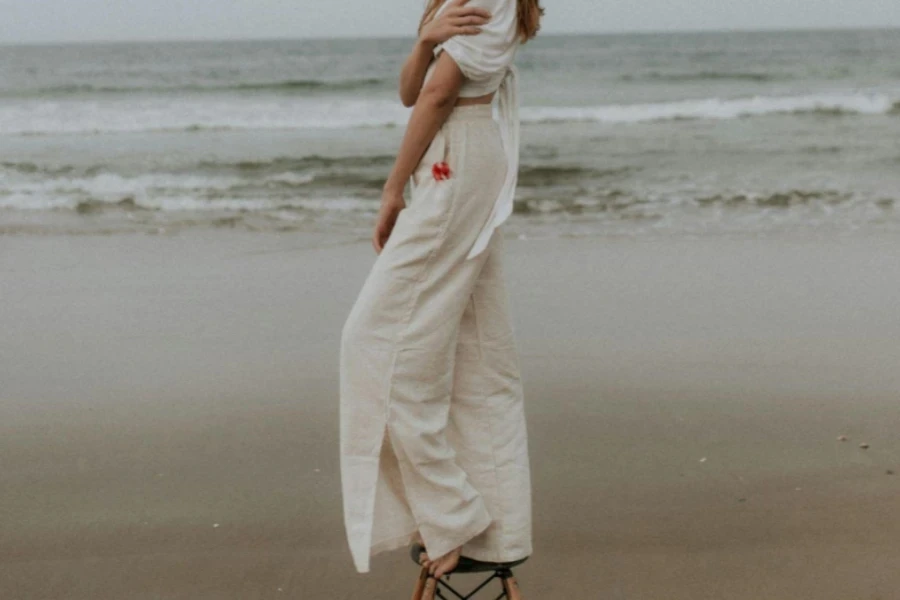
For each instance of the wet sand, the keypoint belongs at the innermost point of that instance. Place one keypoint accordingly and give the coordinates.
(168, 417)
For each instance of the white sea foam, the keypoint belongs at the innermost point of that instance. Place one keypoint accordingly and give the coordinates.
(185, 114)
(289, 178)
(72, 116)
(715, 108)
(166, 192)
(145, 190)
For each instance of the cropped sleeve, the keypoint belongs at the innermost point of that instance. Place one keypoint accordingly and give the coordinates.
(486, 54)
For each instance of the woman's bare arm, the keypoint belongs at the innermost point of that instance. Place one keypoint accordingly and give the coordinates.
(413, 73)
(434, 105)
(458, 19)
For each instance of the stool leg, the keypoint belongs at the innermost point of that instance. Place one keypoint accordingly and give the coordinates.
(430, 588)
(420, 584)
(511, 588)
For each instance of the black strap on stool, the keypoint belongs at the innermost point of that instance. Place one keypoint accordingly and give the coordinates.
(501, 571)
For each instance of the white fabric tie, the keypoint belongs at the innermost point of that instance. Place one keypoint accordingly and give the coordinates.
(508, 108)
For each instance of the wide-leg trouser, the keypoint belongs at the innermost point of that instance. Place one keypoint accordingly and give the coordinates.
(432, 423)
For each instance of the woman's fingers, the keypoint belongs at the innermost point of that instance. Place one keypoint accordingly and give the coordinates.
(392, 205)
(457, 20)
(376, 242)
(469, 20)
(381, 234)
(469, 11)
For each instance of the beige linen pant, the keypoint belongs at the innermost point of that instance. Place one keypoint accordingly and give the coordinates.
(432, 423)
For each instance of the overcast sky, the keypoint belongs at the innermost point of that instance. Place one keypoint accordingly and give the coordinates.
(77, 20)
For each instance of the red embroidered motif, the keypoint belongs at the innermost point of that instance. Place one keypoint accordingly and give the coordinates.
(440, 171)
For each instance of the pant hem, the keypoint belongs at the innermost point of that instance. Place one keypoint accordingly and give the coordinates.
(438, 549)
(392, 543)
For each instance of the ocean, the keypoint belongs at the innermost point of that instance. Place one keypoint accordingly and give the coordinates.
(637, 135)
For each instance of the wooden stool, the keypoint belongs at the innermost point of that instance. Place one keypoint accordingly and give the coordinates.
(428, 588)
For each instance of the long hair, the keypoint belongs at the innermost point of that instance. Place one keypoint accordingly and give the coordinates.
(528, 13)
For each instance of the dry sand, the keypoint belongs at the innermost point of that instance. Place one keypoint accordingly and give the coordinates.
(168, 417)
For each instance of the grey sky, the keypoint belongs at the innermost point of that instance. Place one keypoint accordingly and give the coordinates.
(66, 20)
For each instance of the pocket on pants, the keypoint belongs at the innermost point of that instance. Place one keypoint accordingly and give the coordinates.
(436, 152)
(432, 200)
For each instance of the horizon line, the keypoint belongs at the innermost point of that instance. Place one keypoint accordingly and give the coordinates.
(176, 40)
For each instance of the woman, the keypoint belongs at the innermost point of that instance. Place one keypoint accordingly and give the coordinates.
(433, 439)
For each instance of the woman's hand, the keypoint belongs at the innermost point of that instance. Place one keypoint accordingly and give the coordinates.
(391, 204)
(456, 19)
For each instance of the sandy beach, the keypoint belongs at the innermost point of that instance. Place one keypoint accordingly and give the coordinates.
(168, 417)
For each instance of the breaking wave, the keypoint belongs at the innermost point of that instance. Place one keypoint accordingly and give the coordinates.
(286, 86)
(269, 113)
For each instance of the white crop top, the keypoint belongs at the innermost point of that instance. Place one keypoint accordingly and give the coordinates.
(486, 61)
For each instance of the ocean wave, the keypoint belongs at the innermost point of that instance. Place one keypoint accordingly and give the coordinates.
(284, 86)
(277, 165)
(87, 207)
(179, 204)
(720, 109)
(265, 196)
(260, 113)
(783, 199)
(553, 175)
(621, 202)
(306, 84)
(705, 76)
(310, 174)
(610, 200)
(218, 186)
(30, 168)
(148, 190)
(291, 163)
(191, 114)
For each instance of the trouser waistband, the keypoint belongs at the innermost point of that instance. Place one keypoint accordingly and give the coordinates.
(468, 112)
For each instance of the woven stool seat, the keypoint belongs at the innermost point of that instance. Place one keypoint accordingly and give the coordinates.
(499, 570)
(468, 565)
